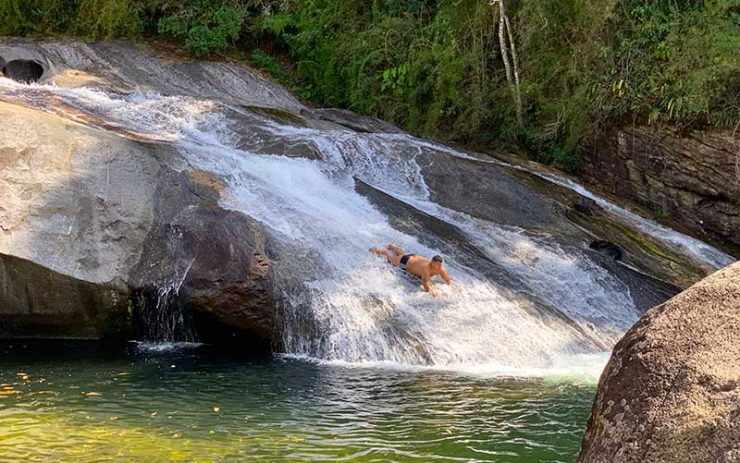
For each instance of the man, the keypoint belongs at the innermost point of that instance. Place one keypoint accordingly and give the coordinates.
(415, 265)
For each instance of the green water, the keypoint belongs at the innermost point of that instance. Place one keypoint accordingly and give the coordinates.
(79, 403)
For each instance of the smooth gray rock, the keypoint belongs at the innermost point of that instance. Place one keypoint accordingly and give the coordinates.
(126, 67)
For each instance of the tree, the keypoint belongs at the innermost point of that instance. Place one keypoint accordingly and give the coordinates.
(509, 57)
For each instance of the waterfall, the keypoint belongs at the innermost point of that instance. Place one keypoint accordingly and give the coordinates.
(554, 308)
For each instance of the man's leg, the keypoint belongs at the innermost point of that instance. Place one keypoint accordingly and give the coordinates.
(396, 250)
(394, 260)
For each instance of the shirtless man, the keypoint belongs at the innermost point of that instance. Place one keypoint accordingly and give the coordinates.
(415, 265)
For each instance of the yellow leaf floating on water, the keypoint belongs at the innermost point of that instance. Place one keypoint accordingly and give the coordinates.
(92, 394)
(123, 373)
(6, 392)
(216, 409)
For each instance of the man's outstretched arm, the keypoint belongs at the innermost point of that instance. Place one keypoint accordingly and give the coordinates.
(445, 276)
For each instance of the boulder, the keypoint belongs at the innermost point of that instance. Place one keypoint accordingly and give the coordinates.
(91, 219)
(218, 262)
(671, 390)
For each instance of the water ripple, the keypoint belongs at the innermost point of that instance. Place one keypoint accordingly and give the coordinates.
(76, 405)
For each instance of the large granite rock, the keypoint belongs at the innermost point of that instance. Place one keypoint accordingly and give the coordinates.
(671, 391)
(693, 178)
(126, 67)
(89, 219)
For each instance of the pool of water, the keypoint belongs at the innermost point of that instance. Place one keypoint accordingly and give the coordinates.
(78, 402)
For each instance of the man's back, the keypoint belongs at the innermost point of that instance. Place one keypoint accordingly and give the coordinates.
(418, 266)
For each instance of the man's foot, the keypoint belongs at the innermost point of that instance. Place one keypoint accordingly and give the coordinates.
(390, 246)
(374, 250)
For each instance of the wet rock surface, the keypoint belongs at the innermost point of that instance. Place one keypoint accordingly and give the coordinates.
(38, 302)
(671, 390)
(353, 121)
(217, 262)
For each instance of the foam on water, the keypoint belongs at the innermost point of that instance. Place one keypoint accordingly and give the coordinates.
(165, 347)
(578, 368)
(388, 163)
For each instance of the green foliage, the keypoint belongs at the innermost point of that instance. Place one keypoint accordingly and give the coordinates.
(678, 61)
(85, 18)
(270, 65)
(425, 65)
(205, 26)
(109, 19)
(433, 66)
(40, 17)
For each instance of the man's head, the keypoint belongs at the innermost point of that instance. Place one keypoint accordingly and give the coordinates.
(437, 262)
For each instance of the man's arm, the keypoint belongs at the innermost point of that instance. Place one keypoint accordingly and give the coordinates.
(445, 276)
(427, 286)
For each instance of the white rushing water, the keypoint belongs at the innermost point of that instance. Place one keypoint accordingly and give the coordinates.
(343, 304)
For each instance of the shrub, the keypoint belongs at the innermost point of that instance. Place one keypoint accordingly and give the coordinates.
(108, 19)
(205, 26)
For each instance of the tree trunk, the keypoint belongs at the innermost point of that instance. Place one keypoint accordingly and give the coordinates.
(512, 75)
(515, 63)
